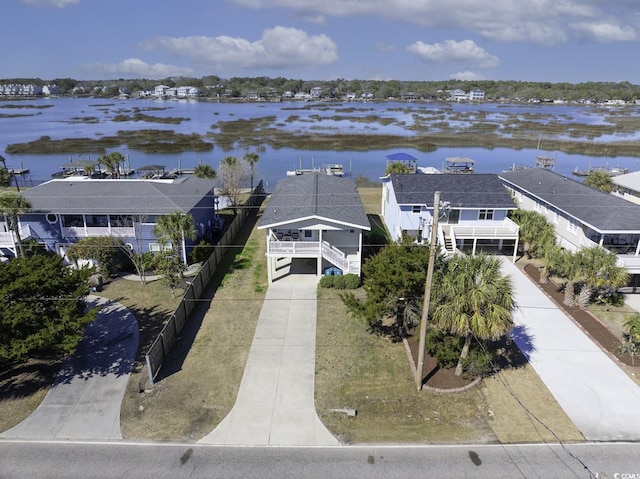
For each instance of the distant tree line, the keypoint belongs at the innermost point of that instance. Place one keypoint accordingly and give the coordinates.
(266, 87)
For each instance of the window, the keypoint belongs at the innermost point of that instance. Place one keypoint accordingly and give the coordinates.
(485, 214)
(97, 220)
(416, 209)
(51, 218)
(69, 221)
(308, 233)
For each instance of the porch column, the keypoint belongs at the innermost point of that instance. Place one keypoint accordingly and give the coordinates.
(269, 269)
(601, 240)
(515, 251)
(475, 243)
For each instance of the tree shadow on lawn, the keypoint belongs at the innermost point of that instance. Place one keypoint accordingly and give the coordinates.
(175, 359)
(24, 379)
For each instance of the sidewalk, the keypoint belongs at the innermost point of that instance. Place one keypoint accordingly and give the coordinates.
(84, 401)
(600, 399)
(275, 404)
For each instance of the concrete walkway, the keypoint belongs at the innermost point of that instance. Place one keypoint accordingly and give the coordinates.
(600, 399)
(275, 403)
(84, 401)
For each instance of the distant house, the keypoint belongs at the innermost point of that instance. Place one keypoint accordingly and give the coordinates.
(160, 90)
(68, 210)
(458, 95)
(50, 90)
(582, 216)
(472, 214)
(476, 94)
(350, 96)
(316, 92)
(314, 218)
(188, 92)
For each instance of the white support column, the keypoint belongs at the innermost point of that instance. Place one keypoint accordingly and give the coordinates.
(270, 269)
(475, 243)
(515, 251)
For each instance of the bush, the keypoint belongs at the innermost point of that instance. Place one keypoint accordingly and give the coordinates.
(201, 252)
(478, 363)
(326, 282)
(339, 282)
(444, 347)
(351, 281)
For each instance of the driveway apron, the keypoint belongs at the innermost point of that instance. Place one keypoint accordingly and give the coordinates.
(597, 395)
(275, 404)
(84, 401)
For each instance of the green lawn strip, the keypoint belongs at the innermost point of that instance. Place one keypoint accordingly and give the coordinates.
(371, 374)
(198, 384)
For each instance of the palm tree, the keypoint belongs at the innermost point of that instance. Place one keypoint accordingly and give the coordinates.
(174, 228)
(251, 159)
(12, 205)
(535, 231)
(474, 300)
(600, 180)
(569, 266)
(550, 259)
(112, 162)
(599, 271)
(204, 170)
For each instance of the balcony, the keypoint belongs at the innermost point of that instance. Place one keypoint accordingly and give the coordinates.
(505, 229)
(85, 232)
(293, 248)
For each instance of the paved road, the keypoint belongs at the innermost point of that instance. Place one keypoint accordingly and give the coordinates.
(84, 401)
(69, 460)
(275, 404)
(600, 399)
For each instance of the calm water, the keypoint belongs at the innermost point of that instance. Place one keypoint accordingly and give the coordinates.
(67, 118)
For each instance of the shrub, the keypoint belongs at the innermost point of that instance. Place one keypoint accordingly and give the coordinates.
(339, 282)
(478, 363)
(351, 281)
(326, 282)
(201, 252)
(444, 347)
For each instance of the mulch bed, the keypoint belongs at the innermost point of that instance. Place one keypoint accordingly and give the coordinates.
(596, 330)
(434, 376)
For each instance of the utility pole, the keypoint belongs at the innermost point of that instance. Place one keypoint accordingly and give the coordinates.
(427, 289)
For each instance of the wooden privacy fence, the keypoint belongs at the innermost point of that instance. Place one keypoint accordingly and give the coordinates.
(163, 343)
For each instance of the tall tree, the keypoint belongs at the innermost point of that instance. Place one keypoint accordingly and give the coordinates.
(102, 249)
(535, 233)
(174, 228)
(474, 300)
(251, 159)
(231, 174)
(112, 162)
(599, 271)
(204, 170)
(13, 205)
(393, 279)
(43, 307)
(599, 180)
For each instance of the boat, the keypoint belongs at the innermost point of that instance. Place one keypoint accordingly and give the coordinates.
(609, 170)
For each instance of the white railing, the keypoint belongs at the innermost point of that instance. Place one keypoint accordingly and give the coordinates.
(292, 248)
(504, 229)
(631, 262)
(336, 256)
(7, 238)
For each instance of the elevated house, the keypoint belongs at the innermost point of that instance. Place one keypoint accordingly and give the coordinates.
(582, 216)
(317, 219)
(65, 211)
(627, 186)
(472, 211)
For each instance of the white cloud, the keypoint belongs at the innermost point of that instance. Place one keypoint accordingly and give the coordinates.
(136, 68)
(539, 21)
(465, 53)
(605, 32)
(467, 75)
(50, 3)
(279, 47)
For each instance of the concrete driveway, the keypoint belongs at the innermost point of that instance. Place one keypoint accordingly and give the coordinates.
(84, 401)
(600, 399)
(275, 404)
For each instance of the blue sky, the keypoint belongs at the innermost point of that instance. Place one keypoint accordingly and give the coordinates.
(538, 40)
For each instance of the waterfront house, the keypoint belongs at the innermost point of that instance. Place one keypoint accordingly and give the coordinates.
(476, 94)
(67, 210)
(582, 216)
(314, 219)
(472, 213)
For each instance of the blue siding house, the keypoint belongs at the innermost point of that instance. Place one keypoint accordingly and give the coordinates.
(67, 210)
(472, 212)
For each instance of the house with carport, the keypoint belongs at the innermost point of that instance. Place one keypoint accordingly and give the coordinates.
(582, 216)
(314, 219)
(65, 211)
(473, 211)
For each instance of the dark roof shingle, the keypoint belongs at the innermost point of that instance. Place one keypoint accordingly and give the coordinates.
(462, 191)
(603, 211)
(315, 195)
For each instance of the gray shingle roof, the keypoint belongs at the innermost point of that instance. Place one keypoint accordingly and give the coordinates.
(462, 191)
(318, 196)
(602, 211)
(118, 196)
